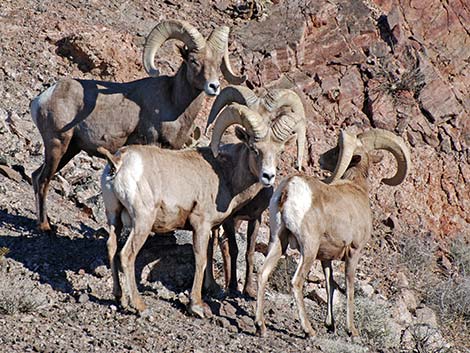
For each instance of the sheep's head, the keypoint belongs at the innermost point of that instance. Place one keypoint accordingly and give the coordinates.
(204, 59)
(354, 149)
(280, 111)
(265, 138)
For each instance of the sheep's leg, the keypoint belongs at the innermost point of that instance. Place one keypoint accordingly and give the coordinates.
(229, 233)
(115, 228)
(200, 243)
(210, 285)
(277, 246)
(56, 155)
(224, 249)
(351, 265)
(252, 233)
(328, 272)
(137, 237)
(307, 257)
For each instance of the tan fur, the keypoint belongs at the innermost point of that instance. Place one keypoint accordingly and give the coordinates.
(185, 189)
(336, 226)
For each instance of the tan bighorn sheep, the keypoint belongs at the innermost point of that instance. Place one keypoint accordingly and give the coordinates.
(75, 115)
(147, 188)
(271, 105)
(328, 221)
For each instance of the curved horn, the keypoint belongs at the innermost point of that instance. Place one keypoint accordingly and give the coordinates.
(347, 144)
(239, 94)
(171, 29)
(218, 41)
(386, 140)
(238, 114)
(276, 98)
(290, 124)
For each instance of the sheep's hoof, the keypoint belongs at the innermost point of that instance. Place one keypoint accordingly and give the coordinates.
(310, 334)
(139, 305)
(196, 310)
(214, 290)
(330, 327)
(46, 228)
(353, 333)
(250, 291)
(260, 329)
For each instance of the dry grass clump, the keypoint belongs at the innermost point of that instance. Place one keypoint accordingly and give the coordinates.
(423, 338)
(417, 255)
(460, 254)
(450, 297)
(19, 296)
(373, 319)
(340, 346)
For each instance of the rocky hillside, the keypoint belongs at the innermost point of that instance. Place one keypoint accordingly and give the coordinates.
(399, 65)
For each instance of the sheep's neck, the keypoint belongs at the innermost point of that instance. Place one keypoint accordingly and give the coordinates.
(188, 101)
(358, 176)
(244, 184)
(183, 92)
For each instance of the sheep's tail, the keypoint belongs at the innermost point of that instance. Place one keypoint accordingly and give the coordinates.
(112, 159)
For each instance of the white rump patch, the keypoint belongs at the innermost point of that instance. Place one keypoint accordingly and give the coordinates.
(128, 176)
(40, 100)
(298, 202)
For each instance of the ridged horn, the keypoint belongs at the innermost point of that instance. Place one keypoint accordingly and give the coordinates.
(347, 144)
(218, 41)
(239, 94)
(276, 98)
(171, 29)
(236, 113)
(379, 139)
(290, 124)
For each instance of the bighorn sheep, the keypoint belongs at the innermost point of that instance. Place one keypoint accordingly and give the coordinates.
(267, 105)
(147, 188)
(328, 221)
(75, 115)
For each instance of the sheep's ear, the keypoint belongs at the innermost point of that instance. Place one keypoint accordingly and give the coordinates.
(355, 160)
(376, 156)
(242, 135)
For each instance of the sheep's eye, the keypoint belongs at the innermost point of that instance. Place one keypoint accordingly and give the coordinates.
(194, 62)
(254, 150)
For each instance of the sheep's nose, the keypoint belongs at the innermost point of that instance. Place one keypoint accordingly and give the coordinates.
(267, 178)
(212, 88)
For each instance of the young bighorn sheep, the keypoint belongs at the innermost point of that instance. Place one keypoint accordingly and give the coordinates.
(328, 221)
(147, 188)
(272, 104)
(75, 115)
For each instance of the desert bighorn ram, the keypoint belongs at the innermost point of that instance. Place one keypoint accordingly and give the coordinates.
(146, 188)
(75, 115)
(270, 105)
(328, 221)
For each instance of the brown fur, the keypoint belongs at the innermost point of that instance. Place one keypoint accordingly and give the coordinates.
(86, 114)
(336, 226)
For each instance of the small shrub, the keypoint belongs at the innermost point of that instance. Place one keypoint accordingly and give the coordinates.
(417, 257)
(19, 297)
(452, 299)
(460, 253)
(373, 319)
(422, 338)
(340, 346)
